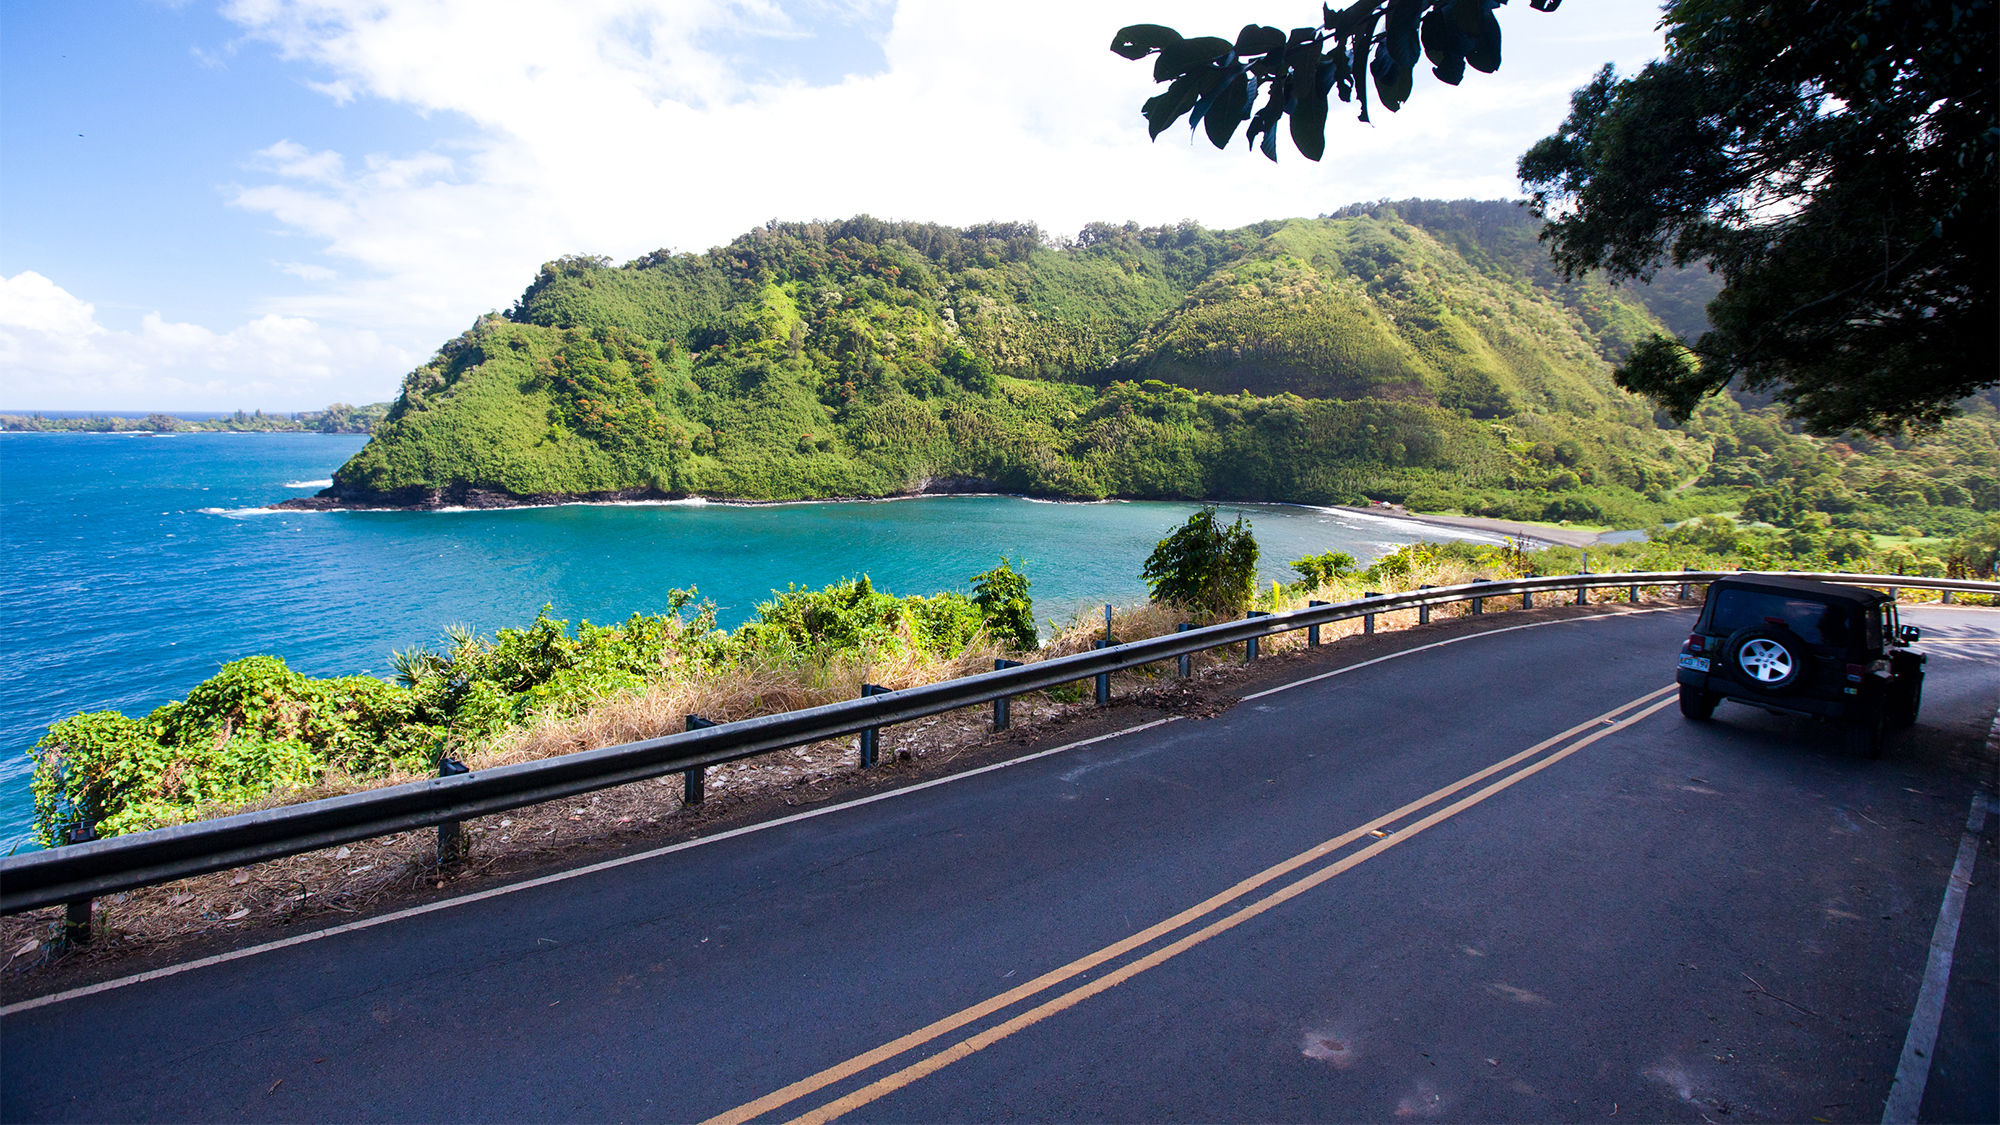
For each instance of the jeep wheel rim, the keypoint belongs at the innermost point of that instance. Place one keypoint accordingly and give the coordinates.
(1765, 661)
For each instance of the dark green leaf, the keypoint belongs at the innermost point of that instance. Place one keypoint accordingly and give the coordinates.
(1467, 14)
(1483, 53)
(1142, 39)
(1229, 109)
(1178, 58)
(1364, 40)
(1166, 108)
(1343, 22)
(1444, 46)
(1209, 83)
(1266, 121)
(1400, 39)
(1393, 80)
(1258, 40)
(1309, 122)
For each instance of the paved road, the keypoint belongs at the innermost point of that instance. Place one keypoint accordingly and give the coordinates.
(1487, 880)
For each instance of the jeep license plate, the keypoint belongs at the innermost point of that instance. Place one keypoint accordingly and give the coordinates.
(1698, 663)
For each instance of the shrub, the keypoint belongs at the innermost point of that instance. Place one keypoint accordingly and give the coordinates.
(1318, 570)
(853, 616)
(1203, 567)
(1002, 597)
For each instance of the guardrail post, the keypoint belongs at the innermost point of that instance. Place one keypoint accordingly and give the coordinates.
(1527, 599)
(692, 777)
(1312, 631)
(451, 846)
(1582, 591)
(76, 913)
(1944, 597)
(1368, 619)
(1003, 707)
(1186, 659)
(1635, 595)
(1424, 611)
(871, 738)
(1684, 586)
(1479, 603)
(1250, 646)
(1103, 679)
(1893, 595)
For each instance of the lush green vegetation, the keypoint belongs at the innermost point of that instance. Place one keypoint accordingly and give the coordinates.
(1416, 350)
(257, 727)
(339, 418)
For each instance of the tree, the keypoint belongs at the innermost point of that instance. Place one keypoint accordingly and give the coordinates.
(1203, 567)
(1002, 597)
(1976, 554)
(1835, 163)
(1216, 82)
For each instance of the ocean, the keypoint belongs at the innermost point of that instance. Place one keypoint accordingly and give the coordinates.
(136, 564)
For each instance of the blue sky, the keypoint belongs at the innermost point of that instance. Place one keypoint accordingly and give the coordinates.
(278, 204)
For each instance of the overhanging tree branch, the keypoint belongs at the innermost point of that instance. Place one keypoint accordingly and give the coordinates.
(1215, 83)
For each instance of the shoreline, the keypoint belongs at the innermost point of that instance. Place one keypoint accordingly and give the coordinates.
(463, 498)
(1536, 533)
(478, 499)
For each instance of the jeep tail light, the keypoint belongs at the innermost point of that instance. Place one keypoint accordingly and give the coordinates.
(1695, 642)
(1855, 672)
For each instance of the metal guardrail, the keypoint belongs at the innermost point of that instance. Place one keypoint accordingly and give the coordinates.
(80, 872)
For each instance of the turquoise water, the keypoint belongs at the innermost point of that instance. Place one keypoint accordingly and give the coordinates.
(136, 564)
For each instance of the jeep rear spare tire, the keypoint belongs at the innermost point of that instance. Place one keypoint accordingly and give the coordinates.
(1767, 658)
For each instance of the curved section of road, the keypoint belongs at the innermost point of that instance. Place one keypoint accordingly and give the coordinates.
(1497, 878)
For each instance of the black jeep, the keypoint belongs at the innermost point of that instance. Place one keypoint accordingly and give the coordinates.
(1797, 647)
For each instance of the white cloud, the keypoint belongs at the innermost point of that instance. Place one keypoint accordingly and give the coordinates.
(307, 271)
(603, 126)
(624, 126)
(57, 356)
(32, 303)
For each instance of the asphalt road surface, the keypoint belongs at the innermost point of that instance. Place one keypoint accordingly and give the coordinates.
(1498, 878)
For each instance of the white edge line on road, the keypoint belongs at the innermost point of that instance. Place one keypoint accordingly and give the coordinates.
(654, 853)
(1906, 1093)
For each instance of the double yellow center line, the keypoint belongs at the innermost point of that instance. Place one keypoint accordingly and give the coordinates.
(1386, 831)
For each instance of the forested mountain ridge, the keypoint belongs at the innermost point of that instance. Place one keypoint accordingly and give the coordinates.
(1416, 351)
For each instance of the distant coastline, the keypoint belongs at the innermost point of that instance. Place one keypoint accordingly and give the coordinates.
(338, 418)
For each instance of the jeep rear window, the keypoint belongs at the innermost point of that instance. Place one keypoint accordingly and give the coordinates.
(1815, 622)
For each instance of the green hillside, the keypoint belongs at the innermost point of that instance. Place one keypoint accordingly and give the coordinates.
(1416, 351)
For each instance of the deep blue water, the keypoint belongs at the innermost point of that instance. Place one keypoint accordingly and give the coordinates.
(134, 565)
